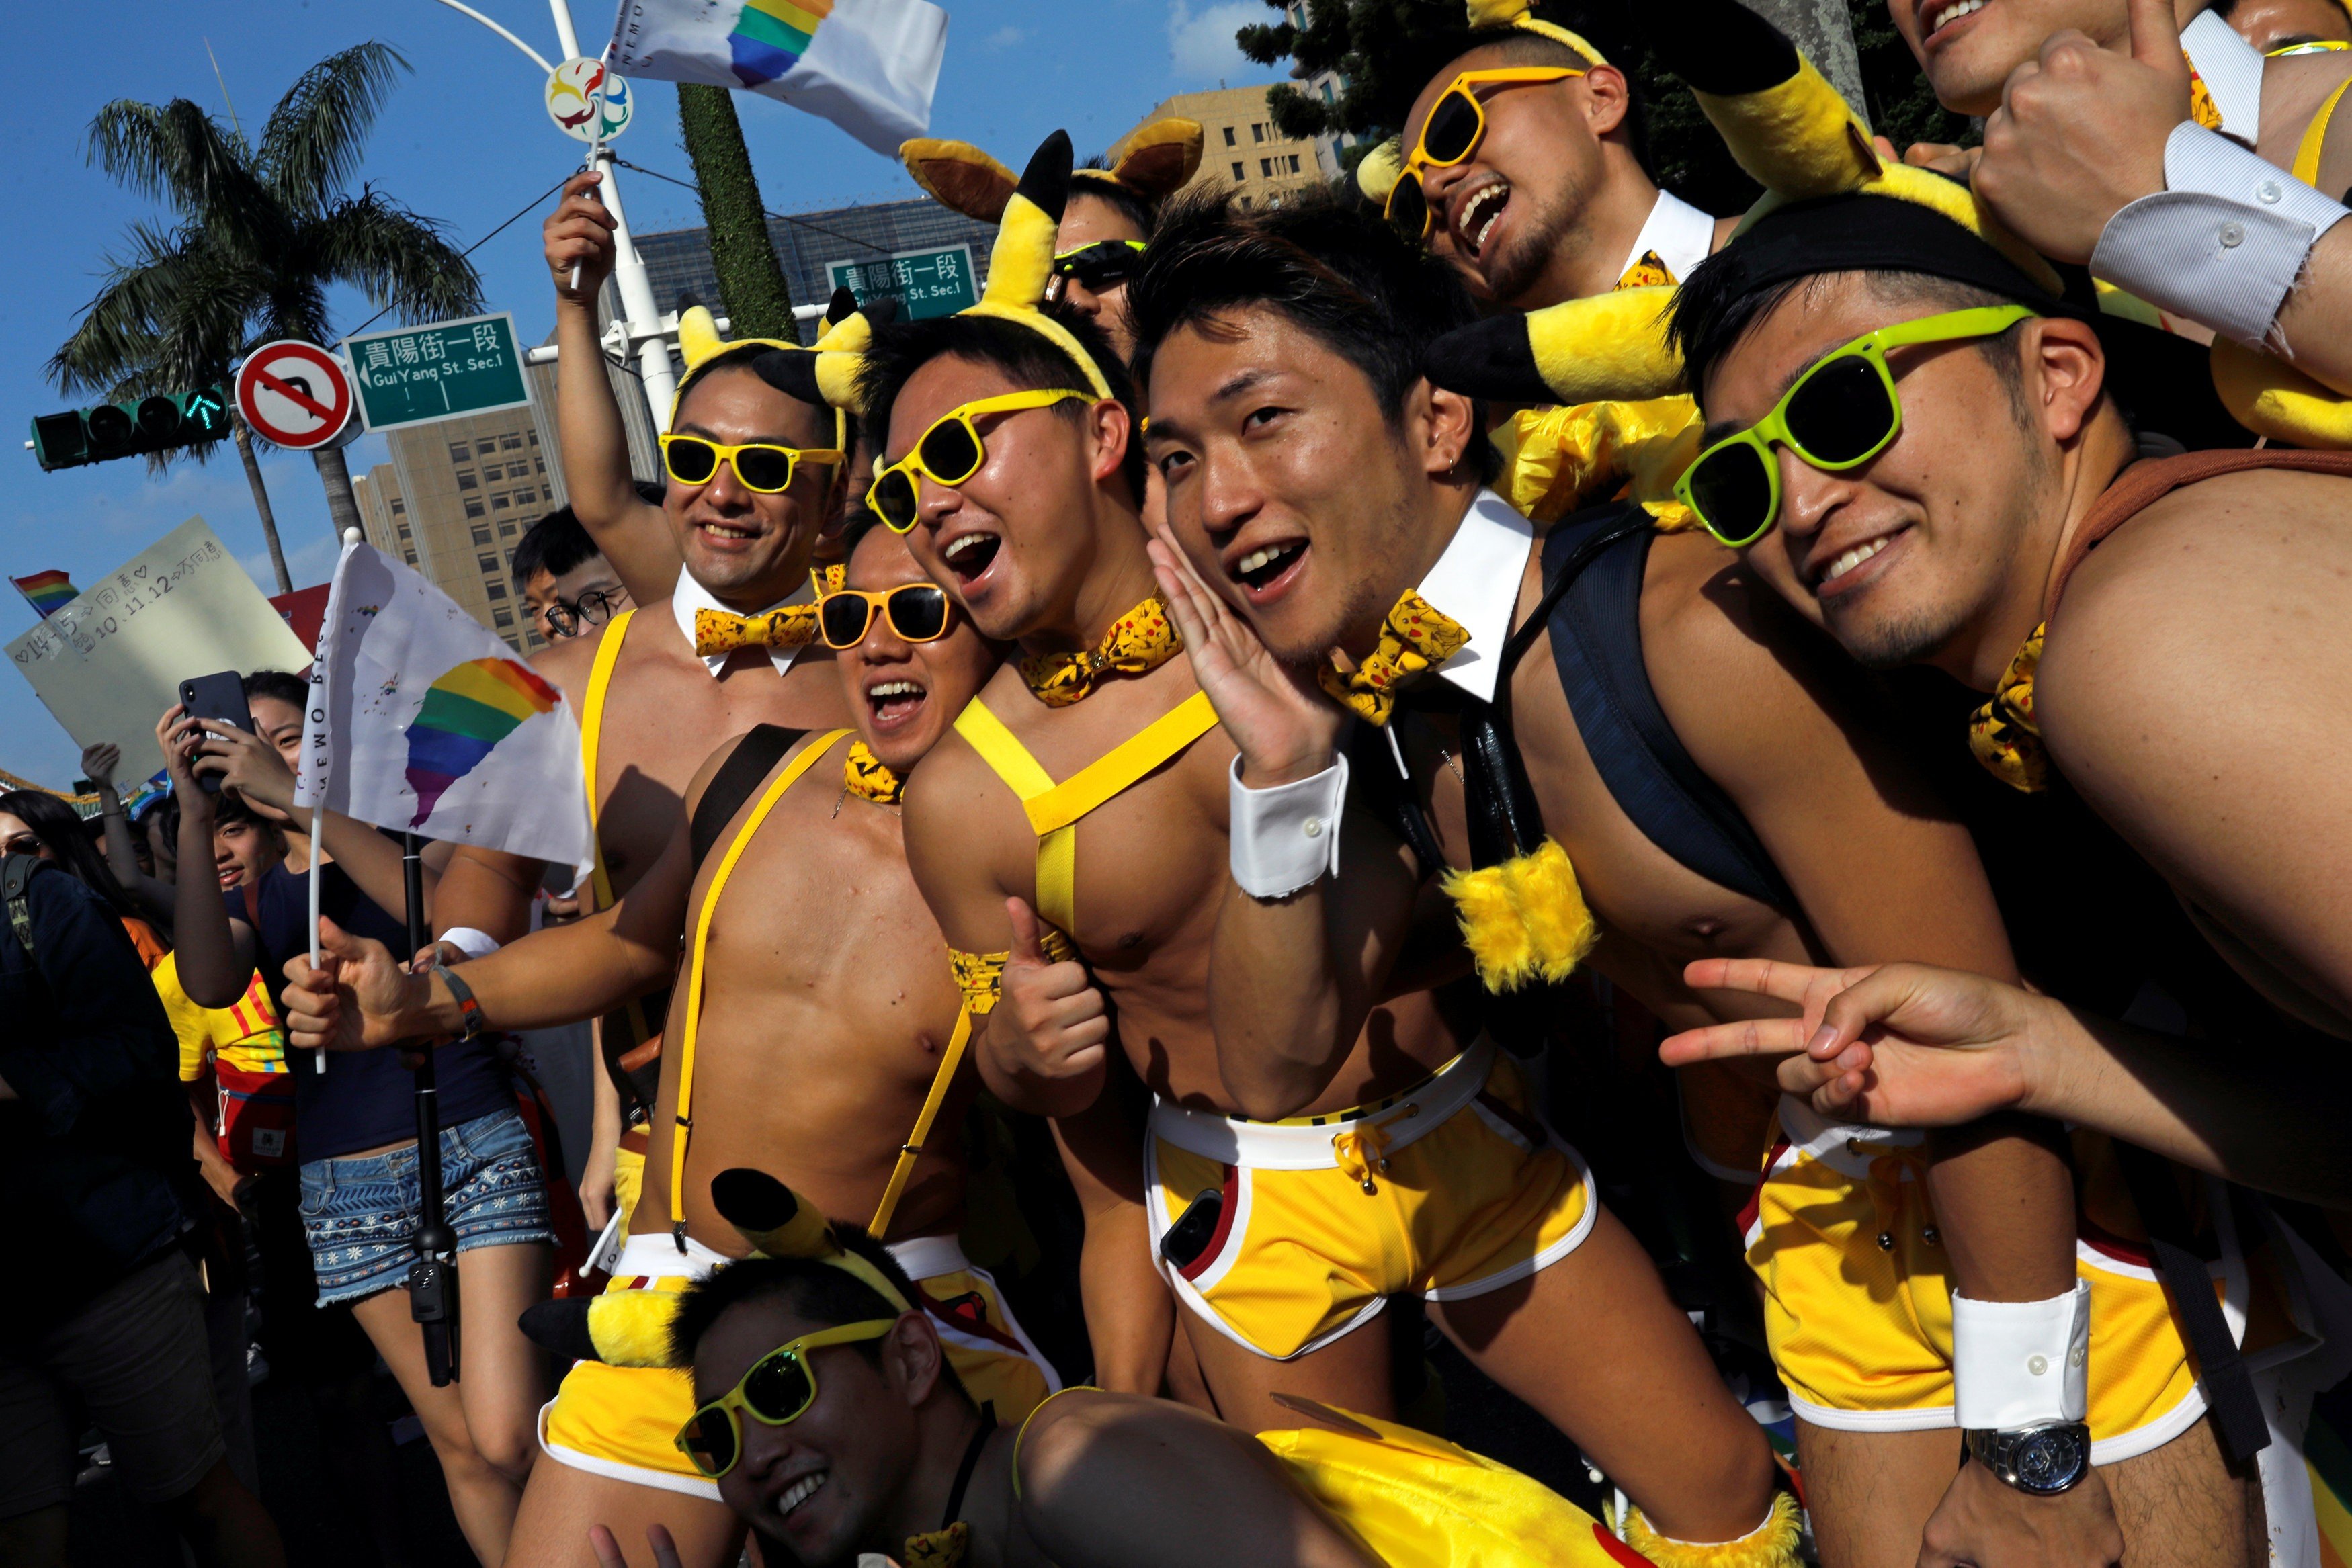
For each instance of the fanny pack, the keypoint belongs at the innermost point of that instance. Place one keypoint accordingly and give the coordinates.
(257, 1118)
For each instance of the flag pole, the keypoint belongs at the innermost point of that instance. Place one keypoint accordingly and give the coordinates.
(352, 538)
(433, 1275)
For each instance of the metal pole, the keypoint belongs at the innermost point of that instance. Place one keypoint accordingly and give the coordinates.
(640, 317)
(433, 1276)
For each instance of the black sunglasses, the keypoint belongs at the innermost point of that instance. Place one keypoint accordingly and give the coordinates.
(1105, 264)
(915, 612)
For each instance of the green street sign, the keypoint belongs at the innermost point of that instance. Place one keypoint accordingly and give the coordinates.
(925, 282)
(413, 375)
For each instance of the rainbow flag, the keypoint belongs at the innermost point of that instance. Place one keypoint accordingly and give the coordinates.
(46, 592)
(466, 712)
(868, 66)
(770, 35)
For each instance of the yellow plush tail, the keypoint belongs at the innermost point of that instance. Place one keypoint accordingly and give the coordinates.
(1523, 920)
(1771, 1544)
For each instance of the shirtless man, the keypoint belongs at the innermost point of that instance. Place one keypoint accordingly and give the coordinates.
(1273, 430)
(878, 1450)
(811, 1037)
(1041, 541)
(1979, 568)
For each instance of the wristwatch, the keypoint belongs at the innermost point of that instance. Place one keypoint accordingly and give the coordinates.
(2040, 1461)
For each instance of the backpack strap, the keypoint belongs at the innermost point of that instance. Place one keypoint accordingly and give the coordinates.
(1594, 568)
(18, 871)
(748, 763)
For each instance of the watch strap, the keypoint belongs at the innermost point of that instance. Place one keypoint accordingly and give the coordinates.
(469, 1012)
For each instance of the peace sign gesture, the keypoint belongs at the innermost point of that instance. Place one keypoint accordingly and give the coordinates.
(2081, 132)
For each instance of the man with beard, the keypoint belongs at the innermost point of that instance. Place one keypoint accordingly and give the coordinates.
(811, 1039)
(1333, 497)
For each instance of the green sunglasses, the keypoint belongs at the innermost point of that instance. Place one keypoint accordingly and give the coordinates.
(1840, 414)
(777, 1390)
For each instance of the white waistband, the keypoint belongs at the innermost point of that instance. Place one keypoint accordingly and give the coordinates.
(657, 1257)
(929, 1257)
(1304, 1146)
(1834, 1144)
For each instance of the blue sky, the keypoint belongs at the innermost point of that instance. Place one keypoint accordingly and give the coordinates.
(464, 140)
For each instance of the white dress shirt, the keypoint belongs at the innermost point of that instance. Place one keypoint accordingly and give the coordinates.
(690, 596)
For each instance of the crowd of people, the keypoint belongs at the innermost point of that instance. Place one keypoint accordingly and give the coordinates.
(1480, 789)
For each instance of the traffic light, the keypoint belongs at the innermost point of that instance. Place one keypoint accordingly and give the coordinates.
(112, 430)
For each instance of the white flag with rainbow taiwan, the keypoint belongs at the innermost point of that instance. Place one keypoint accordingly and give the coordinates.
(421, 720)
(868, 66)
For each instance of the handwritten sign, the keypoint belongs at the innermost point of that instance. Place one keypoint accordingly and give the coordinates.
(109, 663)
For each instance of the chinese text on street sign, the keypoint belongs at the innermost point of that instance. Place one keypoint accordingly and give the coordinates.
(925, 282)
(415, 374)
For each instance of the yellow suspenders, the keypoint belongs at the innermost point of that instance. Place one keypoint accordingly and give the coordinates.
(592, 731)
(735, 848)
(1053, 810)
(2314, 136)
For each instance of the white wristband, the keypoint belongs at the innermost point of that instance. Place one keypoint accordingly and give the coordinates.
(2223, 243)
(2017, 1363)
(472, 943)
(1286, 837)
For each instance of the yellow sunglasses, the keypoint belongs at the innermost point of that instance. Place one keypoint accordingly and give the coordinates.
(763, 467)
(1457, 124)
(777, 1390)
(949, 453)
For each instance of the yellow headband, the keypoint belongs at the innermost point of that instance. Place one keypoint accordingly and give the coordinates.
(1020, 263)
(1519, 14)
(700, 345)
(1152, 161)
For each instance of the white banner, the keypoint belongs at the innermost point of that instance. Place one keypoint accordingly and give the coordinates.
(109, 662)
(868, 66)
(421, 720)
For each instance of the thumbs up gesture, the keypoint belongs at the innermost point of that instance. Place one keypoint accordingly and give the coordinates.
(2080, 132)
(1044, 1049)
(357, 998)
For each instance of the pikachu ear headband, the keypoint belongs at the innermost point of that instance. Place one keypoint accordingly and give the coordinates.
(699, 343)
(1153, 161)
(632, 1327)
(825, 373)
(1793, 134)
(1020, 265)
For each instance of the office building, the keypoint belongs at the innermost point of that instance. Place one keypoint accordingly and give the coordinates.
(1241, 147)
(458, 493)
(810, 247)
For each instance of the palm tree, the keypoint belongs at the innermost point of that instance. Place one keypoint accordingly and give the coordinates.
(259, 232)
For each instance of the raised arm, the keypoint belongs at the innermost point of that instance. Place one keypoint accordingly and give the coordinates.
(98, 765)
(1297, 962)
(216, 954)
(631, 533)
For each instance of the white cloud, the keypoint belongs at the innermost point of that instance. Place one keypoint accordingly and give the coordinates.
(1004, 38)
(1200, 44)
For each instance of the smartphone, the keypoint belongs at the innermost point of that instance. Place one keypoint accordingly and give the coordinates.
(1189, 1238)
(220, 698)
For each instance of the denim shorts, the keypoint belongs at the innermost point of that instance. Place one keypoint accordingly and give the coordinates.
(360, 1211)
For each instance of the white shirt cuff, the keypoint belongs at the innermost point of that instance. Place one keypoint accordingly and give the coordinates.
(1286, 837)
(472, 943)
(2224, 241)
(2018, 1363)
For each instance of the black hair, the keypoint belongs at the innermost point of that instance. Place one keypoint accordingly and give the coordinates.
(1029, 359)
(554, 545)
(231, 807)
(810, 1288)
(742, 356)
(1132, 204)
(59, 828)
(861, 521)
(1331, 266)
(292, 690)
(1716, 307)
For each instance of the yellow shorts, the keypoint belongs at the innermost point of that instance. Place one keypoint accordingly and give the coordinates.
(622, 1421)
(1451, 1188)
(628, 1182)
(1858, 1306)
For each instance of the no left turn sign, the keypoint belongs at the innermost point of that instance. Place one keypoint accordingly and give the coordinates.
(294, 394)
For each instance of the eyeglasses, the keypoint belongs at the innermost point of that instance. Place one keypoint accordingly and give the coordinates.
(22, 845)
(949, 453)
(1840, 414)
(1102, 265)
(915, 612)
(778, 1389)
(593, 608)
(1457, 124)
(763, 468)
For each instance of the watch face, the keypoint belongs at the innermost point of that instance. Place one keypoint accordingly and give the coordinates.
(2052, 1459)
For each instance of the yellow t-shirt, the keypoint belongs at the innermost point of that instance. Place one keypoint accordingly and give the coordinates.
(246, 1034)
